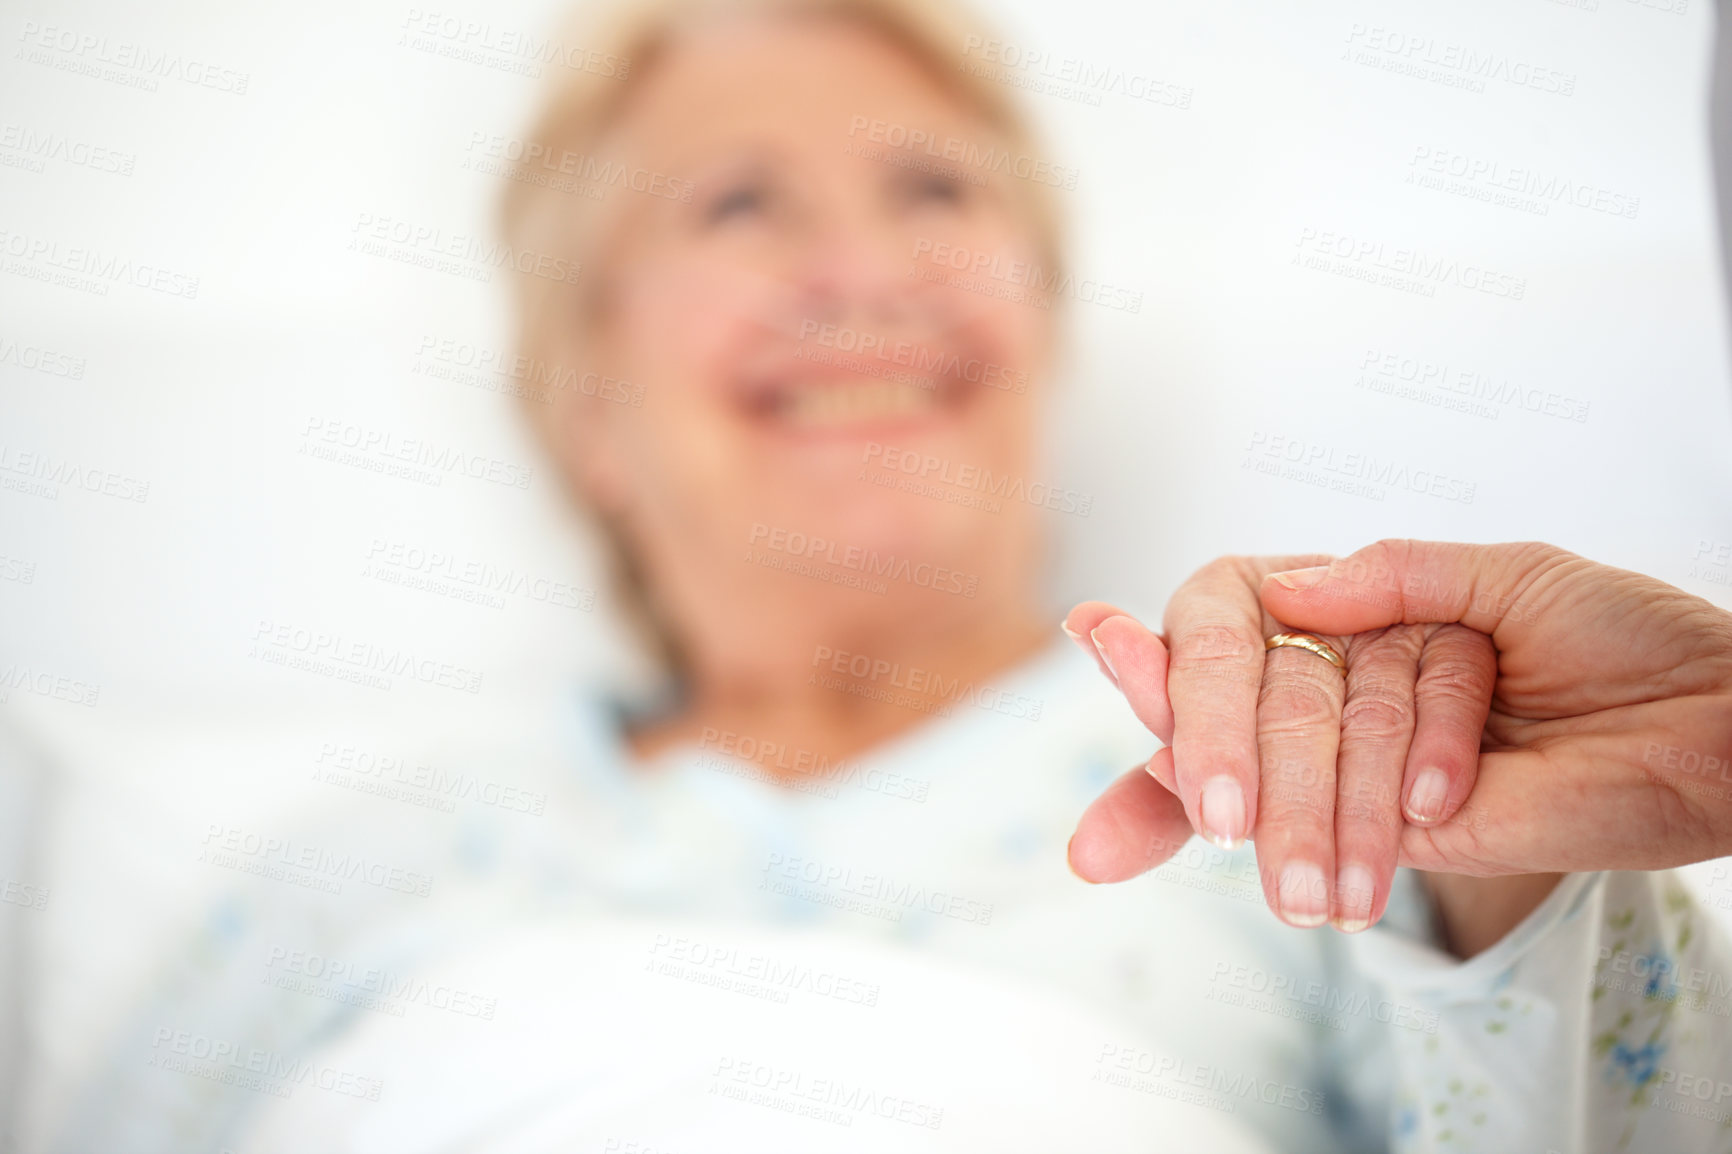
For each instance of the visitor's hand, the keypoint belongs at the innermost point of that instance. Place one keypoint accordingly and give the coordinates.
(1608, 743)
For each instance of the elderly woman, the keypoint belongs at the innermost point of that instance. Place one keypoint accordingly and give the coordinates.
(810, 892)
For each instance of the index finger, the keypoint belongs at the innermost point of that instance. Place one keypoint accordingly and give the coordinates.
(1214, 627)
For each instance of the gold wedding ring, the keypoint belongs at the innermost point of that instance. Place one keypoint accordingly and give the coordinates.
(1306, 641)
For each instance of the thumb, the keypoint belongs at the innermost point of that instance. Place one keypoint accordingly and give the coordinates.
(1500, 590)
(1134, 826)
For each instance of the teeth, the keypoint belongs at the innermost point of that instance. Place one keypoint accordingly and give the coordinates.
(830, 405)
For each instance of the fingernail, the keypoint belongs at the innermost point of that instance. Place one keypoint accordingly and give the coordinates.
(1223, 812)
(1302, 894)
(1071, 866)
(1425, 800)
(1354, 891)
(1069, 632)
(1302, 578)
(1094, 636)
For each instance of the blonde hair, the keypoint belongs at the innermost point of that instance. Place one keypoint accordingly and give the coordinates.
(607, 50)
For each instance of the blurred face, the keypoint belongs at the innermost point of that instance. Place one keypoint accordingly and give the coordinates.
(797, 343)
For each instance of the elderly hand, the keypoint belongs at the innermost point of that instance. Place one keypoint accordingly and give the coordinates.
(1283, 743)
(1607, 745)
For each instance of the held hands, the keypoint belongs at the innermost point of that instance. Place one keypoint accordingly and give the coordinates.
(1586, 710)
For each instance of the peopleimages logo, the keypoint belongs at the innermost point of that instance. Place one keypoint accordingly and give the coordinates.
(41, 474)
(442, 251)
(344, 442)
(286, 859)
(875, 673)
(1355, 473)
(913, 463)
(759, 975)
(882, 895)
(1459, 389)
(803, 765)
(533, 157)
(399, 777)
(1181, 1079)
(88, 54)
(251, 1068)
(40, 255)
(985, 265)
(965, 153)
(25, 894)
(317, 651)
(36, 148)
(372, 987)
(16, 677)
(1495, 176)
(1067, 76)
(834, 1100)
(467, 579)
(508, 371)
(922, 361)
(41, 360)
(1712, 561)
(1426, 56)
(1366, 259)
(508, 49)
(857, 559)
(1310, 1000)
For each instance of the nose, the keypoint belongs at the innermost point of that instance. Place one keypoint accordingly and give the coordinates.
(856, 271)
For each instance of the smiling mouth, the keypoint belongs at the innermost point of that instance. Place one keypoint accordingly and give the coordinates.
(838, 406)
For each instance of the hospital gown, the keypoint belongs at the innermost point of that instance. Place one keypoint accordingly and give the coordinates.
(929, 872)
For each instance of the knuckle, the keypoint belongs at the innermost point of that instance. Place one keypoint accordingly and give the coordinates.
(1409, 639)
(1456, 683)
(1215, 646)
(1385, 557)
(1212, 574)
(1376, 571)
(1296, 706)
(1379, 711)
(1390, 643)
(1228, 564)
(1300, 688)
(1541, 554)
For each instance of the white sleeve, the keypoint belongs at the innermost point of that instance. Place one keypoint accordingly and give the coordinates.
(1602, 1023)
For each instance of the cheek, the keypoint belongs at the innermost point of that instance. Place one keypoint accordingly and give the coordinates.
(681, 471)
(993, 276)
(673, 327)
(681, 317)
(1019, 336)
